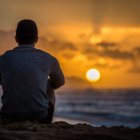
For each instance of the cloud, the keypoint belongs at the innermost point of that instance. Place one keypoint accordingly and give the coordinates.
(134, 69)
(69, 46)
(108, 65)
(113, 57)
(48, 43)
(102, 50)
(107, 44)
(59, 48)
(56, 44)
(6, 35)
(68, 55)
(94, 12)
(117, 54)
(7, 40)
(110, 52)
(76, 83)
(136, 50)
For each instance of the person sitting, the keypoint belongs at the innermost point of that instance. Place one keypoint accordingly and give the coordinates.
(29, 77)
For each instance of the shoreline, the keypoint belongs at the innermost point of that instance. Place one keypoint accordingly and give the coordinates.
(70, 120)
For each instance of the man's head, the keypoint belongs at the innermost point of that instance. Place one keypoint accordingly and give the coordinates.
(26, 32)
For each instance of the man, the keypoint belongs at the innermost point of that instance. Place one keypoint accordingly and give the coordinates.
(28, 77)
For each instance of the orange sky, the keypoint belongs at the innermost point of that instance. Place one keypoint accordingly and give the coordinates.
(82, 34)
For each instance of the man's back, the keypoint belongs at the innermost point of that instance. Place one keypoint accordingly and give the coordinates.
(24, 76)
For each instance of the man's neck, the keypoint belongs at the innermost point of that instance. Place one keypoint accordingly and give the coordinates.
(26, 45)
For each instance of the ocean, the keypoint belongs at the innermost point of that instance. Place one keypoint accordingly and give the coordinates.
(108, 107)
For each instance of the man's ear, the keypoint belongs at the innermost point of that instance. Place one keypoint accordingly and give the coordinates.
(16, 39)
(36, 40)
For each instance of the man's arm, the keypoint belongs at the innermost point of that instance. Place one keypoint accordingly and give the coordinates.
(56, 77)
(50, 92)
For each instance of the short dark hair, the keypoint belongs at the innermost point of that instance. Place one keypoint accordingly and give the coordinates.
(26, 32)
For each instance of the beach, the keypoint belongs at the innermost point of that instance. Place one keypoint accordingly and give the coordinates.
(64, 131)
(88, 115)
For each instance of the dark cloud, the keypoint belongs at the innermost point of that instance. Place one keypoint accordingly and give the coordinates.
(107, 52)
(75, 82)
(68, 55)
(69, 46)
(135, 68)
(117, 54)
(107, 65)
(107, 44)
(101, 65)
(136, 50)
(56, 44)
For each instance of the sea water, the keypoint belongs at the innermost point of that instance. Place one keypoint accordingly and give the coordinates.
(109, 107)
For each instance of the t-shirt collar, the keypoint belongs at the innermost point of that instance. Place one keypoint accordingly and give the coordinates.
(26, 45)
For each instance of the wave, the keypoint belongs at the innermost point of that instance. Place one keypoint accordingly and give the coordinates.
(114, 106)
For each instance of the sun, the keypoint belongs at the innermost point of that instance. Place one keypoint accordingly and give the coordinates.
(93, 75)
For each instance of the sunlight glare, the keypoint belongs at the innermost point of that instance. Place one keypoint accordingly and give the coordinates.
(93, 75)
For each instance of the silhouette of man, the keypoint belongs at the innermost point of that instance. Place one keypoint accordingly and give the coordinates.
(28, 77)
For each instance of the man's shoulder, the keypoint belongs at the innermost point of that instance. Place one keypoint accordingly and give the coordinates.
(46, 54)
(2, 56)
(5, 53)
(43, 54)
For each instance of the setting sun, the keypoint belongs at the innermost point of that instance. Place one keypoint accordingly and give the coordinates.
(93, 75)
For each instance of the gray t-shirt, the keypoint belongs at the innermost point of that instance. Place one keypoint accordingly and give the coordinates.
(24, 73)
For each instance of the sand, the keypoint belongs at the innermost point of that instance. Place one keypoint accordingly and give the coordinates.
(64, 131)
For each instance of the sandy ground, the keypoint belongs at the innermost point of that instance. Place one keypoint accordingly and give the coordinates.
(64, 131)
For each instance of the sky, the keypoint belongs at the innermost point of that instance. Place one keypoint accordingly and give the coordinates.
(82, 34)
